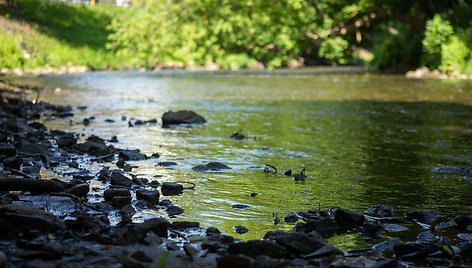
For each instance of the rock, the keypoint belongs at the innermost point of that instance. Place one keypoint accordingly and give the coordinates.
(362, 261)
(382, 210)
(234, 261)
(238, 136)
(108, 194)
(120, 201)
(409, 252)
(171, 188)
(27, 218)
(240, 229)
(324, 251)
(213, 166)
(446, 225)
(167, 164)
(34, 186)
(423, 216)
(118, 179)
(158, 225)
(215, 242)
(127, 212)
(297, 243)
(131, 155)
(288, 173)
(3, 259)
(185, 225)
(174, 210)
(79, 190)
(239, 206)
(59, 206)
(152, 197)
(73, 164)
(348, 219)
(181, 117)
(394, 228)
(325, 227)
(254, 194)
(165, 203)
(211, 231)
(141, 256)
(386, 245)
(189, 250)
(291, 217)
(66, 141)
(463, 221)
(254, 248)
(426, 236)
(465, 236)
(7, 150)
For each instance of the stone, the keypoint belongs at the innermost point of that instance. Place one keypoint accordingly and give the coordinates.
(118, 179)
(131, 155)
(291, 217)
(158, 225)
(426, 236)
(325, 227)
(463, 221)
(181, 117)
(174, 210)
(348, 219)
(446, 225)
(171, 188)
(152, 197)
(386, 245)
(66, 141)
(240, 229)
(215, 242)
(381, 210)
(211, 231)
(234, 261)
(27, 218)
(394, 228)
(240, 206)
(108, 194)
(79, 190)
(212, 166)
(423, 216)
(7, 150)
(409, 252)
(167, 164)
(185, 225)
(120, 201)
(465, 236)
(254, 248)
(3, 259)
(298, 243)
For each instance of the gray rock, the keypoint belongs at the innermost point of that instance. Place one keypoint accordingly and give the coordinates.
(386, 245)
(58, 206)
(27, 218)
(212, 166)
(234, 261)
(426, 236)
(131, 155)
(79, 190)
(158, 225)
(181, 117)
(324, 251)
(112, 192)
(463, 221)
(254, 248)
(66, 141)
(465, 236)
(118, 179)
(394, 228)
(348, 219)
(298, 243)
(423, 216)
(215, 242)
(382, 210)
(240, 206)
(152, 197)
(171, 188)
(240, 229)
(446, 225)
(174, 210)
(120, 201)
(324, 227)
(292, 217)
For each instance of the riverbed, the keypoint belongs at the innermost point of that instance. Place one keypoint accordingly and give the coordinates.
(363, 139)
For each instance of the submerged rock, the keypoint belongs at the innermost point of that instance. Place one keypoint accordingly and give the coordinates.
(240, 206)
(181, 117)
(213, 166)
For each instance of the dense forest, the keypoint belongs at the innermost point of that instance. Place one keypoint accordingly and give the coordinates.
(386, 35)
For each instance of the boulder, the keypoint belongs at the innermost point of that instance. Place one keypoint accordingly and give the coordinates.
(131, 155)
(181, 117)
(152, 197)
(108, 194)
(171, 188)
(157, 225)
(118, 179)
(325, 227)
(298, 243)
(174, 210)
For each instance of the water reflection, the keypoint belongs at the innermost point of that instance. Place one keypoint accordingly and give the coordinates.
(363, 139)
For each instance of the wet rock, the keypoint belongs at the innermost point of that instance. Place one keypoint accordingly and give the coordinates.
(212, 231)
(240, 206)
(446, 225)
(238, 135)
(363, 261)
(118, 179)
(59, 206)
(7, 150)
(167, 164)
(34, 186)
(254, 194)
(152, 197)
(27, 218)
(165, 203)
(66, 141)
(3, 259)
(348, 219)
(452, 169)
(185, 225)
(382, 210)
(410, 252)
(127, 212)
(465, 236)
(394, 228)
(240, 229)
(297, 243)
(108, 194)
(95, 148)
(216, 242)
(73, 164)
(138, 122)
(212, 166)
(423, 216)
(254, 248)
(234, 261)
(181, 117)
(324, 227)
(174, 210)
(131, 155)
(158, 225)
(426, 236)
(113, 139)
(189, 250)
(12, 162)
(371, 231)
(79, 190)
(155, 184)
(288, 173)
(171, 188)
(324, 251)
(292, 217)
(463, 221)
(386, 245)
(120, 201)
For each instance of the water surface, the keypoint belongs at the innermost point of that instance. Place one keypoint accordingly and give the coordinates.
(364, 139)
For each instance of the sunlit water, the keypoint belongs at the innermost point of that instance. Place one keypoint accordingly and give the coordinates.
(364, 139)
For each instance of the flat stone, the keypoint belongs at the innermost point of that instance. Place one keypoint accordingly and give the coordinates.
(181, 117)
(58, 206)
(324, 227)
(446, 225)
(212, 166)
(394, 228)
(292, 217)
(240, 206)
(298, 243)
(27, 218)
(167, 164)
(158, 225)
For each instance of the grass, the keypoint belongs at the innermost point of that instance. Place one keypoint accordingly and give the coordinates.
(36, 34)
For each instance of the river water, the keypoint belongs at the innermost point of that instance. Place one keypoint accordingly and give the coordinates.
(364, 139)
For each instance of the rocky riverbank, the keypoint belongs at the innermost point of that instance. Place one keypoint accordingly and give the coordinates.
(85, 218)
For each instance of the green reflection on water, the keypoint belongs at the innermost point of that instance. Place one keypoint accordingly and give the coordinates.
(364, 139)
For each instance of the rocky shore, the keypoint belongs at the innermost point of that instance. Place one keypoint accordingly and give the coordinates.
(84, 219)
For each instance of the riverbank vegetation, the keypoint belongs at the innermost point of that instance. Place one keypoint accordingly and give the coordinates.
(387, 35)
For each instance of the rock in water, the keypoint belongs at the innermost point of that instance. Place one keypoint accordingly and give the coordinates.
(171, 188)
(181, 117)
(254, 248)
(423, 216)
(348, 219)
(212, 166)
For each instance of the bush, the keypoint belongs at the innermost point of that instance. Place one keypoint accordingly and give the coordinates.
(438, 32)
(334, 49)
(454, 55)
(11, 55)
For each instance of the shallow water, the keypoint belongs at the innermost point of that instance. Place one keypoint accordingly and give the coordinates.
(364, 139)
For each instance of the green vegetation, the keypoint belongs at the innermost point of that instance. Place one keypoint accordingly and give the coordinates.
(401, 35)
